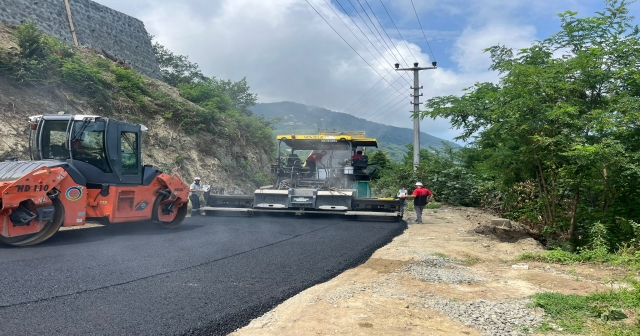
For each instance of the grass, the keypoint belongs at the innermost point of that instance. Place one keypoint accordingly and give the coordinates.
(599, 313)
(470, 259)
(433, 205)
(599, 256)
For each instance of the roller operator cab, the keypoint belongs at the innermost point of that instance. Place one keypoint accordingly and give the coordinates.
(327, 172)
(83, 168)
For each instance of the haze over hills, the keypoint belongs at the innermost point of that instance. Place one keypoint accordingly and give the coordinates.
(300, 118)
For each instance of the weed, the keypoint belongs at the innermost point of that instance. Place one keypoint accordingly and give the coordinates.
(576, 313)
(599, 256)
(470, 259)
(441, 255)
(433, 205)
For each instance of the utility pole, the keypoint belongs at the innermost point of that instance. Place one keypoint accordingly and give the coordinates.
(416, 108)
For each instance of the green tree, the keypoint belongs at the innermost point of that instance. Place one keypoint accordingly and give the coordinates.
(176, 69)
(564, 116)
(239, 93)
(382, 162)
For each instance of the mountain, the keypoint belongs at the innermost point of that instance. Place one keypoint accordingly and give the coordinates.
(301, 119)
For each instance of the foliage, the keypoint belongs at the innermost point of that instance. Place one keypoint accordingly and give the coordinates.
(595, 250)
(597, 311)
(220, 100)
(40, 56)
(564, 119)
(382, 162)
(176, 69)
(239, 94)
(83, 77)
(129, 84)
(441, 170)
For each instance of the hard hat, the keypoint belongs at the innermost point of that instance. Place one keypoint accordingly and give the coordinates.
(196, 179)
(419, 184)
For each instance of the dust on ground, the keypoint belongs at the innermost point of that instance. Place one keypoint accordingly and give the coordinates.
(385, 296)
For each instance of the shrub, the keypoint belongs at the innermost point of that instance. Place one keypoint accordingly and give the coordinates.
(129, 84)
(80, 76)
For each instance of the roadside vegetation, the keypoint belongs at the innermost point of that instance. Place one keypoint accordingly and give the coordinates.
(604, 313)
(111, 88)
(554, 145)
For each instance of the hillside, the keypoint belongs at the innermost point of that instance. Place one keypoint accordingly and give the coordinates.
(185, 138)
(300, 118)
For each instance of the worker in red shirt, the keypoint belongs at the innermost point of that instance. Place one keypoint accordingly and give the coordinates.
(313, 159)
(421, 196)
(357, 156)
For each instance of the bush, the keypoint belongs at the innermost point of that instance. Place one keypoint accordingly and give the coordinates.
(82, 77)
(130, 84)
(39, 58)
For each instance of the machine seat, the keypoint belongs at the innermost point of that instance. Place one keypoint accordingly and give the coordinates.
(294, 161)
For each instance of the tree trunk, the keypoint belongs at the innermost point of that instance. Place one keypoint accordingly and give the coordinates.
(574, 211)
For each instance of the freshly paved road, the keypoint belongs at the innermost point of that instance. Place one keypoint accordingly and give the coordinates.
(209, 276)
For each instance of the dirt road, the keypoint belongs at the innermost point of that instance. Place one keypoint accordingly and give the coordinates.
(438, 278)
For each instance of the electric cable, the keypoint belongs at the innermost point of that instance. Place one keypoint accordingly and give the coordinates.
(354, 50)
(352, 33)
(423, 34)
(398, 30)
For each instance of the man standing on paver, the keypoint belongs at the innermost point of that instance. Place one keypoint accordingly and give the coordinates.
(421, 196)
(194, 197)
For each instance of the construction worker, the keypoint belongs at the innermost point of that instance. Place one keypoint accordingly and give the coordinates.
(194, 196)
(421, 196)
(357, 156)
(313, 159)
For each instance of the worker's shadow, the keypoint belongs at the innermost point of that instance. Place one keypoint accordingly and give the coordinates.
(93, 234)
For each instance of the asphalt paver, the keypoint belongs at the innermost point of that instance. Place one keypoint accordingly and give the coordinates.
(209, 276)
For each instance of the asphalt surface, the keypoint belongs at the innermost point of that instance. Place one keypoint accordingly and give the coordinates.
(209, 276)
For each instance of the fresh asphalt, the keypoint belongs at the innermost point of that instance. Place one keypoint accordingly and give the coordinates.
(209, 276)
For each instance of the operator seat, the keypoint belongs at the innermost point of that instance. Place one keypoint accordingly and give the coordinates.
(361, 163)
(294, 161)
(359, 169)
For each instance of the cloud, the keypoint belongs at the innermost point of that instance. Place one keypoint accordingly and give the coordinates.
(288, 52)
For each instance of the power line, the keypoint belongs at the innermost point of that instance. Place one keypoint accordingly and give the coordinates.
(423, 34)
(363, 33)
(374, 46)
(389, 115)
(367, 25)
(372, 111)
(370, 100)
(374, 85)
(345, 41)
(376, 28)
(381, 109)
(398, 30)
(354, 35)
(385, 32)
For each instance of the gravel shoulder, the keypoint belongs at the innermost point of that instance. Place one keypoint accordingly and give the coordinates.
(438, 278)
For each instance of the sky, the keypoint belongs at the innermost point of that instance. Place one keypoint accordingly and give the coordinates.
(295, 50)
